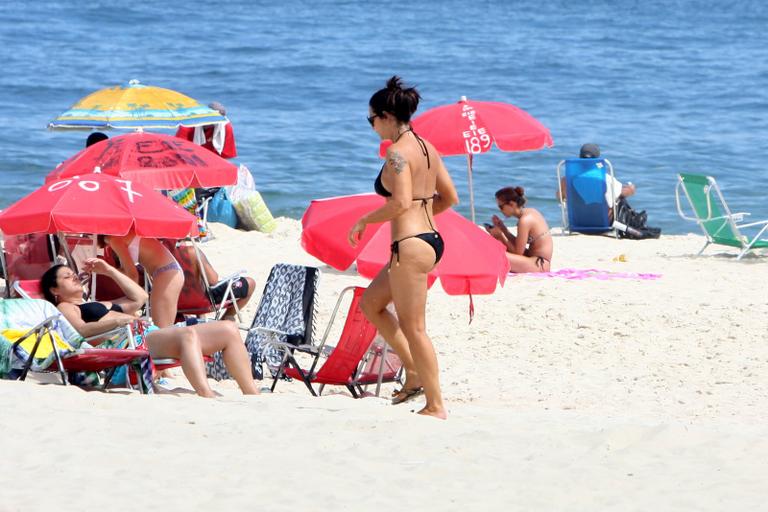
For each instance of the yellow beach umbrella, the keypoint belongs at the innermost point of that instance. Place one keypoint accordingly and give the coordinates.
(135, 106)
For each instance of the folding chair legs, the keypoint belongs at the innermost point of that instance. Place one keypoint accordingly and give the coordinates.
(288, 359)
(108, 377)
(46, 329)
(702, 249)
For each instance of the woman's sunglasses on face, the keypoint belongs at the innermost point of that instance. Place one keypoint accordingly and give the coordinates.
(371, 118)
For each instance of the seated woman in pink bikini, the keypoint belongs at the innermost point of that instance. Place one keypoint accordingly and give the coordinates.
(531, 249)
(166, 273)
(61, 287)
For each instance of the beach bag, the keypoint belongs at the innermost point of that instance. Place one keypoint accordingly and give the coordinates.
(244, 186)
(220, 209)
(636, 222)
(254, 214)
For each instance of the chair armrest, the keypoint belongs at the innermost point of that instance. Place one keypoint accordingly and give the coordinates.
(231, 277)
(759, 223)
(314, 350)
(265, 329)
(106, 335)
(738, 216)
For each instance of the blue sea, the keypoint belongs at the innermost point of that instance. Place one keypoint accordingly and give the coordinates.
(661, 86)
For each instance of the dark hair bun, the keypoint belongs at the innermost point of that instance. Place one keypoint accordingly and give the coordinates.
(396, 99)
(520, 191)
(395, 83)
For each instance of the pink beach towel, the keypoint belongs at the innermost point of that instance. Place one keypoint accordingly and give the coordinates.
(576, 273)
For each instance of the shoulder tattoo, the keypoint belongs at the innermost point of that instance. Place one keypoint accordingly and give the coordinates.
(396, 161)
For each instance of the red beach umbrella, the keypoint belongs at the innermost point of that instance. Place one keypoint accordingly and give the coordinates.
(472, 127)
(97, 203)
(156, 160)
(473, 263)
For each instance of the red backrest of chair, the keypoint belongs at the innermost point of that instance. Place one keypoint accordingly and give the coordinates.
(106, 288)
(356, 336)
(27, 257)
(193, 296)
(31, 287)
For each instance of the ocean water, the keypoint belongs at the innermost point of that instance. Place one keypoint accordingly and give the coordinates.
(662, 86)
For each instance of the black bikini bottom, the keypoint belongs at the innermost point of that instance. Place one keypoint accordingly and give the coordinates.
(433, 238)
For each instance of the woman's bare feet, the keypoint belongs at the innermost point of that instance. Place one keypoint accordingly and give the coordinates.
(440, 413)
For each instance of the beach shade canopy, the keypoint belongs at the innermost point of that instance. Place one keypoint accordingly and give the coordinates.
(97, 203)
(155, 160)
(473, 262)
(135, 106)
(473, 127)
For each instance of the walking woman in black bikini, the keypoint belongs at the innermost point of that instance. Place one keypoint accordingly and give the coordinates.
(417, 186)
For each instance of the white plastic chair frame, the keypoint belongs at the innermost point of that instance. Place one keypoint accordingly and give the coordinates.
(732, 218)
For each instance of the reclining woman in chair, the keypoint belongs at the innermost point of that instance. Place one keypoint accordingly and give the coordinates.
(532, 231)
(61, 286)
(167, 277)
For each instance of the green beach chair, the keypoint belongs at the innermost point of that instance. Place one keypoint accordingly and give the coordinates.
(711, 212)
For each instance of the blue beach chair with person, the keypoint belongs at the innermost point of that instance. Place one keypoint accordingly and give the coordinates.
(585, 203)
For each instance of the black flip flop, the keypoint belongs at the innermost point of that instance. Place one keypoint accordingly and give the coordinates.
(407, 394)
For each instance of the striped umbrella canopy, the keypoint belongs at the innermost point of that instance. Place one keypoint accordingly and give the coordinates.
(135, 106)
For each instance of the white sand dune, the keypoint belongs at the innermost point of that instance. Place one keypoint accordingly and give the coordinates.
(587, 394)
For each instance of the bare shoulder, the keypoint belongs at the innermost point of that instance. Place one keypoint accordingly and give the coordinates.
(69, 310)
(532, 216)
(396, 159)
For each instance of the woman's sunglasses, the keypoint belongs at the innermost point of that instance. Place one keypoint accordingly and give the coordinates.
(371, 118)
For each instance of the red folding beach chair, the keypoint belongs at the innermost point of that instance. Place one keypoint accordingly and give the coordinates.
(79, 360)
(346, 362)
(25, 257)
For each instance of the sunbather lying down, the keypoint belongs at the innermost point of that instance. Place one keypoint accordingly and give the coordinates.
(61, 286)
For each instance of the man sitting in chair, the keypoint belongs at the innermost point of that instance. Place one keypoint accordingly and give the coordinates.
(242, 288)
(614, 189)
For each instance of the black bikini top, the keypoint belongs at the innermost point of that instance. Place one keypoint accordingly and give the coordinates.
(95, 311)
(379, 187)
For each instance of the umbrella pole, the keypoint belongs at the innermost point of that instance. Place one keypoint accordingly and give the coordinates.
(471, 192)
(93, 274)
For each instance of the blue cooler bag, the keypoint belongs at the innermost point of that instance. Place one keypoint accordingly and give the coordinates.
(220, 209)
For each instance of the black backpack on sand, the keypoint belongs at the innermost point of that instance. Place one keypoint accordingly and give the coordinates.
(636, 222)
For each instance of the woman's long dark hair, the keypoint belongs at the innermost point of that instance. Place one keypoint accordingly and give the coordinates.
(399, 101)
(48, 281)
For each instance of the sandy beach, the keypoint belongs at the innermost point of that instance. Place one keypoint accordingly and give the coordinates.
(591, 394)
